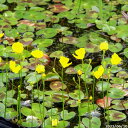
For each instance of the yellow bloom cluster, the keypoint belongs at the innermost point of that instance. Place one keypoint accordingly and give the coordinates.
(13, 67)
(115, 59)
(17, 47)
(99, 72)
(79, 72)
(104, 46)
(37, 54)
(1, 35)
(55, 122)
(40, 68)
(64, 61)
(80, 53)
(0, 59)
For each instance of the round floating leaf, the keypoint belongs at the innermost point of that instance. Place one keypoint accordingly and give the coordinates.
(102, 85)
(126, 52)
(67, 115)
(115, 47)
(33, 78)
(115, 115)
(85, 109)
(120, 104)
(95, 122)
(22, 28)
(56, 54)
(10, 101)
(51, 77)
(105, 102)
(91, 48)
(3, 7)
(33, 15)
(72, 103)
(57, 85)
(54, 111)
(122, 31)
(122, 74)
(27, 111)
(10, 113)
(43, 42)
(47, 32)
(116, 93)
(58, 8)
(39, 110)
(69, 40)
(26, 41)
(115, 68)
(77, 95)
(116, 80)
(70, 70)
(31, 123)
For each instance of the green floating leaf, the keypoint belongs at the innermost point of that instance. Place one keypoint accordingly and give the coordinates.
(47, 32)
(53, 111)
(116, 93)
(102, 85)
(57, 85)
(92, 48)
(71, 70)
(93, 123)
(22, 28)
(122, 31)
(3, 7)
(85, 109)
(122, 74)
(113, 115)
(120, 104)
(126, 52)
(31, 123)
(69, 40)
(67, 115)
(33, 78)
(10, 113)
(43, 42)
(56, 54)
(77, 95)
(27, 111)
(51, 77)
(115, 47)
(33, 15)
(10, 101)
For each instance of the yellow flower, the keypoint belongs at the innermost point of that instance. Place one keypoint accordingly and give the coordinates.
(37, 54)
(115, 59)
(12, 64)
(1, 35)
(54, 122)
(64, 61)
(90, 98)
(79, 72)
(17, 47)
(99, 72)
(40, 68)
(0, 60)
(43, 75)
(104, 46)
(16, 69)
(80, 53)
(13, 67)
